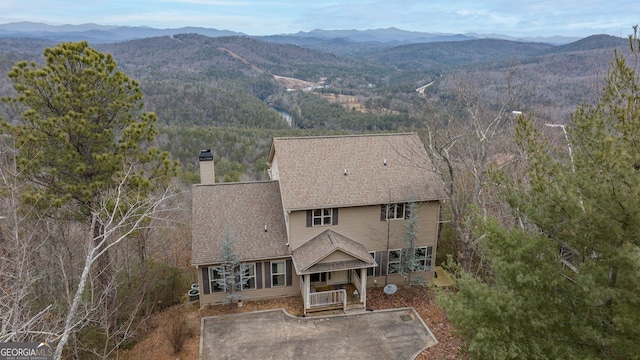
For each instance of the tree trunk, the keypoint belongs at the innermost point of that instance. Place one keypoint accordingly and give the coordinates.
(104, 275)
(69, 324)
(464, 253)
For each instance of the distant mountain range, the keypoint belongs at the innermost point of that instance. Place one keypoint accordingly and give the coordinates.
(100, 34)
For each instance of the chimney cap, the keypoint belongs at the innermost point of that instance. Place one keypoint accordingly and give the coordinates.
(205, 155)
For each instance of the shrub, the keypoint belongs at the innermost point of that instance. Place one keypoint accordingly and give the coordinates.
(177, 331)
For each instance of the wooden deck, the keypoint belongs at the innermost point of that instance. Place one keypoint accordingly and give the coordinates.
(442, 278)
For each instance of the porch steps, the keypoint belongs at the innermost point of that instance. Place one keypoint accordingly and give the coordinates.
(355, 310)
(325, 312)
(348, 311)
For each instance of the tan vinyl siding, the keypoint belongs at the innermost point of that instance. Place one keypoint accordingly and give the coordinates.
(337, 256)
(274, 173)
(363, 224)
(253, 294)
(258, 294)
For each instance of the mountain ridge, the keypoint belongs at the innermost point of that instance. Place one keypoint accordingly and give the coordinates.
(111, 33)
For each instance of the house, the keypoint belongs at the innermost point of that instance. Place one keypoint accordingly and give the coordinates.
(330, 223)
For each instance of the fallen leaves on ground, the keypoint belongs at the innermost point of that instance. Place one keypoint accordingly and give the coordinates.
(155, 345)
(423, 300)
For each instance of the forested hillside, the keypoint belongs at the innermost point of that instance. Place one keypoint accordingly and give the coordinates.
(192, 81)
(453, 54)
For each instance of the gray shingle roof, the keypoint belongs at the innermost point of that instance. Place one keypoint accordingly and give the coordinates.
(243, 209)
(311, 170)
(306, 257)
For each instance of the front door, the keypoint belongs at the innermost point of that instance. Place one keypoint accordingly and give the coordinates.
(337, 277)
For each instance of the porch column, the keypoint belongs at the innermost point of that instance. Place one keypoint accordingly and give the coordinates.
(363, 286)
(307, 290)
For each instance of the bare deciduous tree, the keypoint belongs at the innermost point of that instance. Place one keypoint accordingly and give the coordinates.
(22, 245)
(465, 137)
(121, 214)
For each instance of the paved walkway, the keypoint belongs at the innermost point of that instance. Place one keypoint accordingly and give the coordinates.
(274, 334)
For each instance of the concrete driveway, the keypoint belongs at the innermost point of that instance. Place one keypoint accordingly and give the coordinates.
(274, 334)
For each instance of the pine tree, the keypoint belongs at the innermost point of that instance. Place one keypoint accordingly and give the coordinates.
(84, 148)
(569, 288)
(229, 272)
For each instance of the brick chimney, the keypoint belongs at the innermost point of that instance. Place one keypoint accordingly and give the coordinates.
(207, 173)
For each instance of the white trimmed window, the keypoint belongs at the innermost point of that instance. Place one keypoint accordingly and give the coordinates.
(322, 217)
(393, 211)
(278, 273)
(393, 264)
(215, 280)
(248, 277)
(422, 256)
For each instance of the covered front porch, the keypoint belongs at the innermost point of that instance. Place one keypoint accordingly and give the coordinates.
(348, 290)
(333, 272)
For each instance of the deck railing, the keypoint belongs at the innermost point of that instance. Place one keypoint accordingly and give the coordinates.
(328, 298)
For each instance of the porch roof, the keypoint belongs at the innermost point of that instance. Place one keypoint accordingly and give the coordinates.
(307, 258)
(337, 266)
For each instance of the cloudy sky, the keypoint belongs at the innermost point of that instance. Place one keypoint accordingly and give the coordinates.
(264, 17)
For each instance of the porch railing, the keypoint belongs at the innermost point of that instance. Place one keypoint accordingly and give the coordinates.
(328, 298)
(355, 280)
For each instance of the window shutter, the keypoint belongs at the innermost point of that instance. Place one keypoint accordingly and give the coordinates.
(205, 281)
(383, 212)
(289, 267)
(267, 275)
(309, 218)
(407, 210)
(429, 255)
(259, 275)
(334, 216)
(384, 259)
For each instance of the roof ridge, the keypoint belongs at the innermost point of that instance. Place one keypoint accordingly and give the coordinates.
(332, 238)
(341, 136)
(239, 183)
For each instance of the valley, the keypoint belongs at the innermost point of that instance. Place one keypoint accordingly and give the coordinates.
(226, 84)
